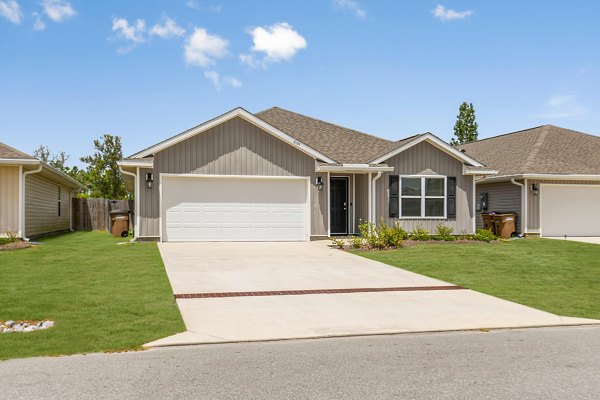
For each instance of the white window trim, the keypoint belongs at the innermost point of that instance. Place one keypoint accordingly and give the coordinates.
(423, 197)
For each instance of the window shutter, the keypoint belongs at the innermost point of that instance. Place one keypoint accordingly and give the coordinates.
(394, 194)
(451, 197)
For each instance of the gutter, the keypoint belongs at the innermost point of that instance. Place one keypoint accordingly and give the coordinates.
(22, 195)
(374, 194)
(523, 206)
(137, 198)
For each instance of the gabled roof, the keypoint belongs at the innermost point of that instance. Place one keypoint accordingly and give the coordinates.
(342, 144)
(236, 112)
(11, 153)
(545, 149)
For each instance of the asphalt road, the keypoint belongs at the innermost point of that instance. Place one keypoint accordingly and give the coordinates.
(543, 363)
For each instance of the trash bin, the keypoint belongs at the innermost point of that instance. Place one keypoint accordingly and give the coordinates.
(119, 223)
(488, 222)
(505, 224)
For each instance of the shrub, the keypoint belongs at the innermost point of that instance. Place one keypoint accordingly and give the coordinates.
(420, 234)
(391, 236)
(444, 232)
(11, 237)
(356, 242)
(484, 235)
(338, 242)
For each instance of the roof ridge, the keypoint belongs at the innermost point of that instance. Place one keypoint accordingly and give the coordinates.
(391, 147)
(506, 134)
(326, 122)
(535, 149)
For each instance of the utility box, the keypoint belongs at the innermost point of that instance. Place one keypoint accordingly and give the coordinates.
(505, 224)
(119, 220)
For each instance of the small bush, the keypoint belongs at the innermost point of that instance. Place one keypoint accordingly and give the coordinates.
(356, 242)
(444, 232)
(420, 234)
(338, 242)
(484, 235)
(11, 237)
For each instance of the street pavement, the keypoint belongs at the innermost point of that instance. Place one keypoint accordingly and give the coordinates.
(540, 363)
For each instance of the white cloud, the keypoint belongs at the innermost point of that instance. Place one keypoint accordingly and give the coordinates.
(169, 29)
(39, 24)
(278, 42)
(563, 106)
(11, 11)
(133, 33)
(196, 5)
(446, 14)
(215, 78)
(58, 10)
(201, 48)
(351, 5)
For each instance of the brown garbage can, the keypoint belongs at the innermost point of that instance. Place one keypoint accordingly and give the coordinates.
(505, 224)
(488, 222)
(119, 223)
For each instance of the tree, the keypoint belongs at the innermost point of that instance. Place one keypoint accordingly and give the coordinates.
(42, 153)
(58, 161)
(465, 128)
(103, 173)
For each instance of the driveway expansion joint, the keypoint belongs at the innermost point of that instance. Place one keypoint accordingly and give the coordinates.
(314, 291)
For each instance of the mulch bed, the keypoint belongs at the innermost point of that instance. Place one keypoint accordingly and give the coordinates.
(15, 246)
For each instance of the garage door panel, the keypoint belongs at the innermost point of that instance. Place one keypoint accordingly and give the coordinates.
(204, 209)
(572, 210)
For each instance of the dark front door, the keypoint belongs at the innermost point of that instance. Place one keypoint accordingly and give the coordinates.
(339, 206)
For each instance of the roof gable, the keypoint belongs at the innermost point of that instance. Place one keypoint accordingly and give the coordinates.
(545, 149)
(241, 113)
(8, 152)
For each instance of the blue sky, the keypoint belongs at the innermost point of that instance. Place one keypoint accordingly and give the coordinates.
(73, 70)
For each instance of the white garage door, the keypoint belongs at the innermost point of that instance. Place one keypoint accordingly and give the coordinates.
(572, 210)
(234, 209)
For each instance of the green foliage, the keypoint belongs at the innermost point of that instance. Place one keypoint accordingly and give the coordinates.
(444, 232)
(379, 237)
(356, 242)
(104, 178)
(338, 242)
(59, 161)
(420, 234)
(484, 235)
(465, 128)
(391, 236)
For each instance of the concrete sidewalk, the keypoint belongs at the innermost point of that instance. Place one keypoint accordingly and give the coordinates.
(235, 267)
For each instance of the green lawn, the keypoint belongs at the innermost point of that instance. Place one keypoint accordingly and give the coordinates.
(556, 276)
(102, 296)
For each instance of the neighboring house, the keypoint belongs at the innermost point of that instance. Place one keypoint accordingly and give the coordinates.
(279, 175)
(35, 199)
(549, 176)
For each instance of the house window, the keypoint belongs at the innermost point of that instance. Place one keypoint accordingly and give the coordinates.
(59, 201)
(422, 197)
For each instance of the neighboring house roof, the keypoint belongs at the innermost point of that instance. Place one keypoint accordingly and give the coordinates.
(545, 149)
(7, 152)
(342, 144)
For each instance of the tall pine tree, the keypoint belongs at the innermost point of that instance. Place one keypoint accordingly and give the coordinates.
(465, 128)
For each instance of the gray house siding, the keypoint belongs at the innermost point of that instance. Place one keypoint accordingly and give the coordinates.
(41, 206)
(503, 197)
(362, 199)
(235, 147)
(426, 159)
(533, 201)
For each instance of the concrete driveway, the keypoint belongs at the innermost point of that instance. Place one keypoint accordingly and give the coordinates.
(582, 239)
(231, 292)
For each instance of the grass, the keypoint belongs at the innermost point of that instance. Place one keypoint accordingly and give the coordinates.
(102, 296)
(560, 277)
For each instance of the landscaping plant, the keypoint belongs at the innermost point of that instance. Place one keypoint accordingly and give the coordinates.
(484, 235)
(420, 234)
(444, 232)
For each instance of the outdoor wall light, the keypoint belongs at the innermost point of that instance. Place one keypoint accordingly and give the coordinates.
(319, 184)
(534, 188)
(149, 180)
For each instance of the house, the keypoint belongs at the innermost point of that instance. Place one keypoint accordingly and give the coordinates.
(279, 175)
(549, 176)
(35, 199)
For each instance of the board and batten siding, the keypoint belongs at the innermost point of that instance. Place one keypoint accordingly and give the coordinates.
(426, 159)
(502, 197)
(9, 200)
(362, 199)
(533, 201)
(235, 147)
(41, 206)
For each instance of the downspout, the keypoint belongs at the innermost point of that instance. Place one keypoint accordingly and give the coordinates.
(34, 171)
(136, 194)
(523, 205)
(374, 193)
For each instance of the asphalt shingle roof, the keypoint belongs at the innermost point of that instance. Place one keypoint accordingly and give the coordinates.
(341, 144)
(545, 149)
(10, 152)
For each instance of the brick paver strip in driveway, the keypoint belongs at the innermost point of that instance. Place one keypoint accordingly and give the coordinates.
(314, 291)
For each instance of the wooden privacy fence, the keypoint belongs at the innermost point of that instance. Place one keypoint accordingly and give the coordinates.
(94, 214)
